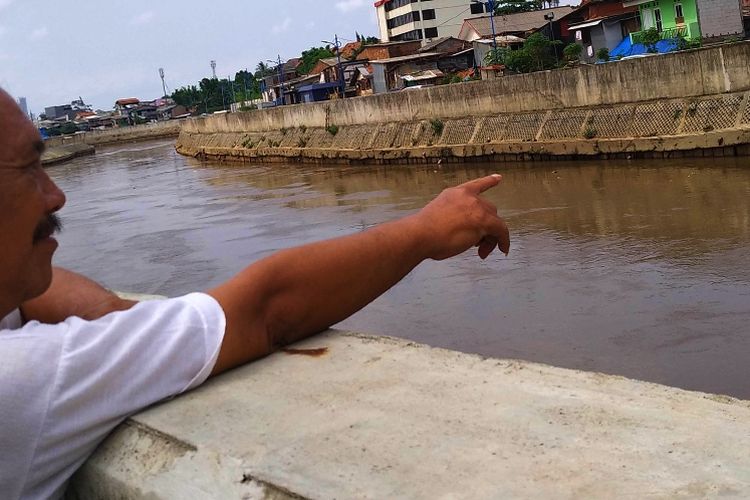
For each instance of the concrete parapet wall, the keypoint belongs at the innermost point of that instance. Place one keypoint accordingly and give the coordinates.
(123, 134)
(714, 125)
(372, 417)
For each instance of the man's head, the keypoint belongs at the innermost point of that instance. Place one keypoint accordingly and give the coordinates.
(28, 200)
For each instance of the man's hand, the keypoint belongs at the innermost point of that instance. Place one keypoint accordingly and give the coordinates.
(301, 291)
(459, 219)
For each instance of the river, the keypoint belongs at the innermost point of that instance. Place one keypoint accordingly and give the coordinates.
(636, 268)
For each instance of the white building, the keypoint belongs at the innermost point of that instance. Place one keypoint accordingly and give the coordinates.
(401, 20)
(22, 104)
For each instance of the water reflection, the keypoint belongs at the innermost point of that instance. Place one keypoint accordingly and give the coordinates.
(635, 268)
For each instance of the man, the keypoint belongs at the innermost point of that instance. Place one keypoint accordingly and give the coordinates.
(76, 360)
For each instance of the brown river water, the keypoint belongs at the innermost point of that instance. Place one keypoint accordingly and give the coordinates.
(638, 268)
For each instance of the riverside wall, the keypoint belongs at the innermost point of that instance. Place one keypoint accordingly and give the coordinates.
(681, 104)
(122, 134)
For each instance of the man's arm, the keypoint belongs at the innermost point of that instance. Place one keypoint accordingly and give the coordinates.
(298, 292)
(71, 294)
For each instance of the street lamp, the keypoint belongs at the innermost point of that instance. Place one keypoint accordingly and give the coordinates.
(491, 4)
(550, 16)
(336, 43)
(281, 78)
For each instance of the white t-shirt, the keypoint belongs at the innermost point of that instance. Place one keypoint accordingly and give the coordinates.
(64, 387)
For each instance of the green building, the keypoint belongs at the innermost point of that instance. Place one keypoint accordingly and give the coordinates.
(672, 18)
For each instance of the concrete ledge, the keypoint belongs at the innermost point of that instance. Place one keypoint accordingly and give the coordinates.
(373, 417)
(59, 154)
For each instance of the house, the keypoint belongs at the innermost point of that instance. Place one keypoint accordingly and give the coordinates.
(521, 24)
(691, 19)
(387, 73)
(602, 24)
(400, 20)
(124, 106)
(350, 50)
(426, 68)
(389, 49)
(352, 71)
(445, 45)
(483, 46)
(271, 85)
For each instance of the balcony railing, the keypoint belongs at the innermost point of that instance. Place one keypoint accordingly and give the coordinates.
(667, 34)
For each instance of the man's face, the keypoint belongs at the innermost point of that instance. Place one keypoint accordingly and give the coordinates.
(28, 198)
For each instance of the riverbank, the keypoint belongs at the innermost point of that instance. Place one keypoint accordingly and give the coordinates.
(692, 103)
(145, 132)
(356, 416)
(58, 154)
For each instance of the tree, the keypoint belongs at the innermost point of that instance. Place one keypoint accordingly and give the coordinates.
(540, 50)
(311, 56)
(68, 128)
(603, 54)
(572, 52)
(263, 70)
(246, 86)
(514, 6)
(495, 56)
(535, 55)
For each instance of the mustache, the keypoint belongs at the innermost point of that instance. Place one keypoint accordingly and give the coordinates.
(47, 227)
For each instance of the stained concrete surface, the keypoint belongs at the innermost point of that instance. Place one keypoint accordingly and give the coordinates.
(375, 417)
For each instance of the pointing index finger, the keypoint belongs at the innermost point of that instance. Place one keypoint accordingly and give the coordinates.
(482, 184)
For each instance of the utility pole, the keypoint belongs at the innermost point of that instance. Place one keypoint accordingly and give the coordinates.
(163, 82)
(491, 5)
(223, 97)
(213, 68)
(336, 43)
(280, 67)
(232, 98)
(550, 17)
(245, 85)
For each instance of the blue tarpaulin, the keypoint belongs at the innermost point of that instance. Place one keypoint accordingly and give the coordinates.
(627, 48)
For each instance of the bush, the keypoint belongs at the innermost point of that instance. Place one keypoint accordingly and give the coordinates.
(437, 126)
(590, 132)
(572, 52)
(495, 56)
(650, 38)
(518, 61)
(603, 54)
(68, 128)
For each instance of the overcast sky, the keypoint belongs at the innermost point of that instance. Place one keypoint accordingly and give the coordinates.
(54, 51)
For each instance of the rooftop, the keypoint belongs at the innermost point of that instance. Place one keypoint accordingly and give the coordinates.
(515, 23)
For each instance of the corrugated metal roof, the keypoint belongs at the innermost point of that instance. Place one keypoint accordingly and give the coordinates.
(512, 23)
(406, 58)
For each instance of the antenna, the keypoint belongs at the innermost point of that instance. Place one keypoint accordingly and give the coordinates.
(163, 82)
(213, 68)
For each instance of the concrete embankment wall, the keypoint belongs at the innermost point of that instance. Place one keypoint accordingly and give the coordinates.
(123, 134)
(687, 102)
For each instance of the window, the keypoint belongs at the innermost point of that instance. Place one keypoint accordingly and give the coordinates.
(678, 13)
(395, 4)
(657, 17)
(477, 8)
(428, 14)
(407, 18)
(430, 33)
(409, 35)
